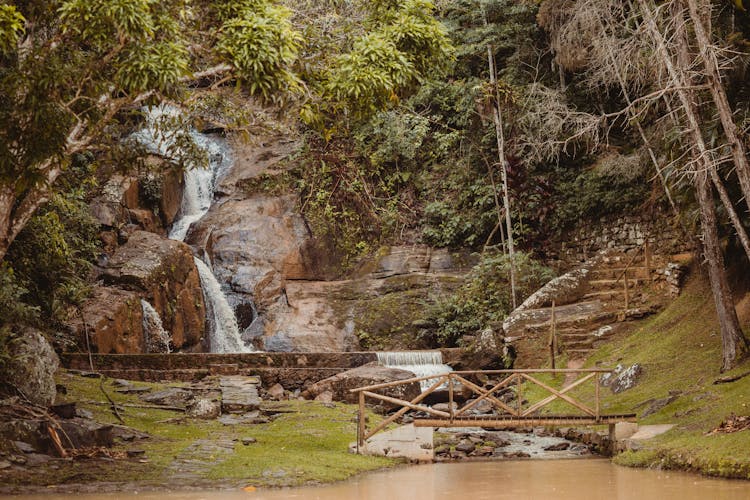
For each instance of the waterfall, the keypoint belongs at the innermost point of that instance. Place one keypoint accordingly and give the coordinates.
(224, 332)
(420, 363)
(156, 338)
(200, 183)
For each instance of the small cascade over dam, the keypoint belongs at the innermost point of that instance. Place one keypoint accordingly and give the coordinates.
(157, 339)
(200, 183)
(420, 363)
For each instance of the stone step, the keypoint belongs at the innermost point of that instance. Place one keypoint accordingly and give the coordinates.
(590, 321)
(239, 394)
(614, 284)
(605, 295)
(617, 272)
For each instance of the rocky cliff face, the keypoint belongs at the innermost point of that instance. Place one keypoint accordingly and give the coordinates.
(261, 247)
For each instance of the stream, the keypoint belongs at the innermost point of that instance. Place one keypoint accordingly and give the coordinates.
(577, 479)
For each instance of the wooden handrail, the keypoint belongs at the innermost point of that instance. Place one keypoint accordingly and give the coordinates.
(508, 414)
(484, 372)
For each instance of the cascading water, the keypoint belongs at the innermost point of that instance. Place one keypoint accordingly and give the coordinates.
(224, 332)
(157, 339)
(196, 200)
(420, 363)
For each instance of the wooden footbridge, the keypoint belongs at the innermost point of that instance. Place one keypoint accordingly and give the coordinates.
(510, 407)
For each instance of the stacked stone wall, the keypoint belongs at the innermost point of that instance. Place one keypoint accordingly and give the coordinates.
(624, 234)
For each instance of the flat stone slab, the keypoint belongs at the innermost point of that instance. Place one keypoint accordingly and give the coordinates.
(406, 441)
(239, 394)
(649, 431)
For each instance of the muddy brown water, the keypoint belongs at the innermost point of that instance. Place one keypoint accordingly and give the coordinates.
(579, 479)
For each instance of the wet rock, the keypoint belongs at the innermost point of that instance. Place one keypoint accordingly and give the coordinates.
(205, 409)
(457, 455)
(31, 367)
(446, 407)
(173, 396)
(371, 374)
(482, 408)
(558, 447)
(483, 451)
(465, 447)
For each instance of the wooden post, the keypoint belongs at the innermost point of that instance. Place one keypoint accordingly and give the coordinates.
(597, 395)
(612, 439)
(519, 395)
(627, 295)
(450, 398)
(552, 335)
(647, 253)
(361, 421)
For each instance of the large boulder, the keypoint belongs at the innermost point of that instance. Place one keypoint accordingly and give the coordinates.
(255, 245)
(32, 366)
(163, 272)
(371, 374)
(119, 195)
(113, 321)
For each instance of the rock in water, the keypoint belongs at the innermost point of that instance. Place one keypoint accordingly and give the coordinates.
(32, 366)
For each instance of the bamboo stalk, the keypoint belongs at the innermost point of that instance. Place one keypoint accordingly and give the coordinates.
(361, 421)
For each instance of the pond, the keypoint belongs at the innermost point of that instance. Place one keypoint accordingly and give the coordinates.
(571, 479)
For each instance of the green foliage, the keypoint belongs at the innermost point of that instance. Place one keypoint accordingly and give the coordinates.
(369, 76)
(404, 44)
(588, 193)
(11, 28)
(262, 44)
(149, 53)
(52, 256)
(485, 298)
(13, 309)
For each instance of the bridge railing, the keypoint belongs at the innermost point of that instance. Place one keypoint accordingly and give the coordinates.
(510, 411)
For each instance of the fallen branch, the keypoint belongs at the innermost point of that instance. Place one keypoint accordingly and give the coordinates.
(112, 404)
(144, 407)
(733, 378)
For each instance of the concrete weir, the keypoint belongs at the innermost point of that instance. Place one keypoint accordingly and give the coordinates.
(292, 369)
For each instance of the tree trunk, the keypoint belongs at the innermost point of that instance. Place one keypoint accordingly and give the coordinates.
(711, 66)
(734, 344)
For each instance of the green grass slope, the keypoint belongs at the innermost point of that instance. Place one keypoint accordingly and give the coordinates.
(680, 350)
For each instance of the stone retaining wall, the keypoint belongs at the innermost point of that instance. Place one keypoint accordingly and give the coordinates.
(293, 370)
(624, 233)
